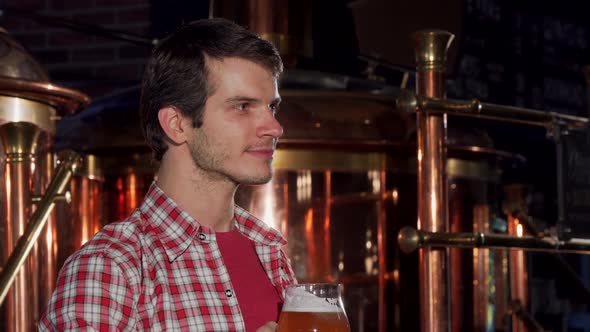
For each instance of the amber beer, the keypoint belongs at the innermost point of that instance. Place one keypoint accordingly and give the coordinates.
(313, 308)
(293, 321)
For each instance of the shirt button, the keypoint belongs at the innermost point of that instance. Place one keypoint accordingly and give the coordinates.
(229, 293)
(202, 237)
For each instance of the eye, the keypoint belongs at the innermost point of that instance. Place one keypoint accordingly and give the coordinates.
(241, 106)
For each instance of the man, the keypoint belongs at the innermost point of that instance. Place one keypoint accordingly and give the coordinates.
(188, 259)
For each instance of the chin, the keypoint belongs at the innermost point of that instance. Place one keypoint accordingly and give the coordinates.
(254, 179)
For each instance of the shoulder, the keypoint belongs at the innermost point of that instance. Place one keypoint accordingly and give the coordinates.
(102, 279)
(117, 244)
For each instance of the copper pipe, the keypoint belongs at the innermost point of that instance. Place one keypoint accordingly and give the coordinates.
(457, 215)
(20, 142)
(285, 218)
(312, 272)
(516, 201)
(126, 195)
(327, 239)
(270, 19)
(410, 239)
(46, 245)
(518, 273)
(382, 250)
(84, 212)
(268, 16)
(69, 161)
(134, 192)
(430, 50)
(481, 273)
(501, 297)
(411, 103)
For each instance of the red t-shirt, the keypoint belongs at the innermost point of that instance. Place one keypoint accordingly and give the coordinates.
(257, 297)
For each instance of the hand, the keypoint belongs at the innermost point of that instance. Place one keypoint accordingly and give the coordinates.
(268, 327)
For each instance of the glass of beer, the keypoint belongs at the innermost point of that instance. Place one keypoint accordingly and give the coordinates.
(313, 308)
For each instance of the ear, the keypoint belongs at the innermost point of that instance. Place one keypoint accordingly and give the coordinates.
(171, 121)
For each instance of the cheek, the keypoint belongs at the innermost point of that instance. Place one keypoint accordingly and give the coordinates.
(235, 135)
(231, 135)
(224, 145)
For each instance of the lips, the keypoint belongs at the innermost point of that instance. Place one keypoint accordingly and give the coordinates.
(261, 153)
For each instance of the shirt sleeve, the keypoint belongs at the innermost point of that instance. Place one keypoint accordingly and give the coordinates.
(92, 294)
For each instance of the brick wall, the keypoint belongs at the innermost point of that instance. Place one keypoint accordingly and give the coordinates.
(93, 64)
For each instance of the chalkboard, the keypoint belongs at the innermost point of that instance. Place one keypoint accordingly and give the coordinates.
(578, 183)
(524, 53)
(532, 54)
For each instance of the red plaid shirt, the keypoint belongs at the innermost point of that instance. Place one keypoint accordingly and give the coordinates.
(158, 270)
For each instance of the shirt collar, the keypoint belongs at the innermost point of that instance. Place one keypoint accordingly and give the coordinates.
(256, 229)
(176, 229)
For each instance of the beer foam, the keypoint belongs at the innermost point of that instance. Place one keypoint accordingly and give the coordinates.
(299, 300)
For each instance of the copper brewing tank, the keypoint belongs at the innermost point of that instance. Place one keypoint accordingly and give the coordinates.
(344, 184)
(29, 107)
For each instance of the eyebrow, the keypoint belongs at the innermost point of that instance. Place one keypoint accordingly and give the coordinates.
(231, 100)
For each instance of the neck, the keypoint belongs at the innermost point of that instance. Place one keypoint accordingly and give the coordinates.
(209, 200)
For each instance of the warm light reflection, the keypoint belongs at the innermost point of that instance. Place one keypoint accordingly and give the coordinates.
(131, 195)
(395, 196)
(519, 229)
(371, 258)
(369, 265)
(375, 180)
(433, 207)
(8, 188)
(311, 249)
(268, 205)
(49, 235)
(96, 208)
(85, 224)
(120, 208)
(309, 222)
(303, 185)
(419, 155)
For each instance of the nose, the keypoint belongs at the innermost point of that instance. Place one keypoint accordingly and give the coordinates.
(270, 127)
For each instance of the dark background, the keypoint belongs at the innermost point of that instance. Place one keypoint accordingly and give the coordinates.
(523, 53)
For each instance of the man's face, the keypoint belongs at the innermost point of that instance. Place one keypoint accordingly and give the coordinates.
(239, 132)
